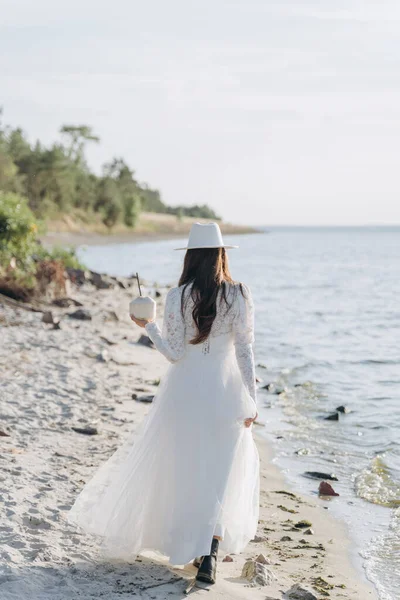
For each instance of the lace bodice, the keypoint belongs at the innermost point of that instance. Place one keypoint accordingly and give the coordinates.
(178, 329)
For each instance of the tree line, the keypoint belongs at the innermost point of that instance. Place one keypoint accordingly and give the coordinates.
(57, 180)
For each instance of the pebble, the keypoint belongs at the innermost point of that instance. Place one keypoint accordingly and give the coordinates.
(100, 281)
(332, 417)
(297, 592)
(66, 302)
(103, 356)
(343, 409)
(227, 558)
(109, 316)
(47, 317)
(144, 340)
(86, 430)
(263, 559)
(148, 398)
(303, 524)
(325, 489)
(257, 573)
(320, 475)
(302, 451)
(109, 340)
(82, 314)
(259, 538)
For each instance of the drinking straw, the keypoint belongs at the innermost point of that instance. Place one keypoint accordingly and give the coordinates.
(138, 282)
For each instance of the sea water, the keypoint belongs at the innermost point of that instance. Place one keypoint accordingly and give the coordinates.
(327, 334)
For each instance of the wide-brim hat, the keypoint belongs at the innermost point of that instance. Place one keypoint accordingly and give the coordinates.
(205, 235)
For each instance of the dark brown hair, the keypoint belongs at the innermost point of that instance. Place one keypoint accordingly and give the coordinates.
(208, 271)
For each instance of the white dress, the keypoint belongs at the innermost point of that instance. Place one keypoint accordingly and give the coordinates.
(192, 470)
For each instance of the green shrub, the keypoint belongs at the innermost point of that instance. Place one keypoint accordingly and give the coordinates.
(131, 209)
(28, 269)
(18, 230)
(67, 256)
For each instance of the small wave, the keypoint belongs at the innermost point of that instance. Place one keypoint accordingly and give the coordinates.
(312, 365)
(371, 361)
(375, 484)
(375, 361)
(382, 560)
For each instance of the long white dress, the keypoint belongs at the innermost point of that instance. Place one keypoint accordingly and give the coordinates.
(192, 470)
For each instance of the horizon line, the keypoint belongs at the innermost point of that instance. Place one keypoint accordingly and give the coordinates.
(347, 225)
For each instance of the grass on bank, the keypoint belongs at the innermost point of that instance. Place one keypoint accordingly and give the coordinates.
(148, 223)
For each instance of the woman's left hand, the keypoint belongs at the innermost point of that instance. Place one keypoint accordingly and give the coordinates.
(249, 421)
(140, 322)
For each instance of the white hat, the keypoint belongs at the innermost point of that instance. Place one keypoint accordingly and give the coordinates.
(205, 235)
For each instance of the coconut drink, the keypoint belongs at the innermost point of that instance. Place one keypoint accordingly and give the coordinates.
(142, 307)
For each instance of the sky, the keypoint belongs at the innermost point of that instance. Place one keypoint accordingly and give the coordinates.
(272, 112)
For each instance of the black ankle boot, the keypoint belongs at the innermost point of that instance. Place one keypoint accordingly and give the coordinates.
(208, 568)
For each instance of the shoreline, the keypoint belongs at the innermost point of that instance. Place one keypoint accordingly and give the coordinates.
(151, 227)
(336, 523)
(74, 239)
(85, 374)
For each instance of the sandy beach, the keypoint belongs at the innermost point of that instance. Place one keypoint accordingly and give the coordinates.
(92, 373)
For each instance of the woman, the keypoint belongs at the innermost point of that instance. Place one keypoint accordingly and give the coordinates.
(189, 481)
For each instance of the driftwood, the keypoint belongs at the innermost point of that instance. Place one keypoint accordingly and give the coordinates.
(19, 304)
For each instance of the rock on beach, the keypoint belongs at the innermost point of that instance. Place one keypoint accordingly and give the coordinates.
(257, 572)
(325, 489)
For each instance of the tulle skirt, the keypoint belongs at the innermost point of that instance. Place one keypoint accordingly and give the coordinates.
(191, 471)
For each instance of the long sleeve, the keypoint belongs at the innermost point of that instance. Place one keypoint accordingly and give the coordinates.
(244, 338)
(171, 341)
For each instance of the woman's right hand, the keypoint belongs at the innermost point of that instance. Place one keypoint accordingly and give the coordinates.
(141, 322)
(249, 421)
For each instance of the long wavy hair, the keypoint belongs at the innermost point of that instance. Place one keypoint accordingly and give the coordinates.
(207, 271)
